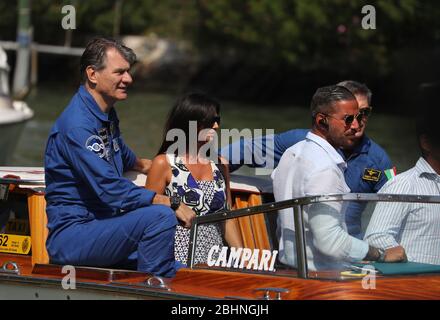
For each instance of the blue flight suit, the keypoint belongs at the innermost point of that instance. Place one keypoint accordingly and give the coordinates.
(96, 217)
(364, 173)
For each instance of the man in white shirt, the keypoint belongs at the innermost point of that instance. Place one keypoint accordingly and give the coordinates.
(314, 167)
(414, 226)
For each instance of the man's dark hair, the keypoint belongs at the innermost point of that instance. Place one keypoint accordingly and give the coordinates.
(95, 54)
(427, 124)
(324, 99)
(357, 88)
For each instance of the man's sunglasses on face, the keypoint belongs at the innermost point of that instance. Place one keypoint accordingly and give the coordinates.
(210, 122)
(349, 118)
(366, 111)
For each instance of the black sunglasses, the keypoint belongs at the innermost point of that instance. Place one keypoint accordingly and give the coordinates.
(366, 111)
(349, 118)
(210, 122)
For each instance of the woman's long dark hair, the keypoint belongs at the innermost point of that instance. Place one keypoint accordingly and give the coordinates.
(190, 107)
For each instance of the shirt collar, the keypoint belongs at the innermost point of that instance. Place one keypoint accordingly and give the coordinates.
(332, 152)
(91, 104)
(425, 170)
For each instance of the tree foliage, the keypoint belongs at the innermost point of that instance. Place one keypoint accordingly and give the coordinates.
(308, 36)
(319, 33)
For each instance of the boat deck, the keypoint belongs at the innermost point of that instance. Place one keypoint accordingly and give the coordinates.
(213, 284)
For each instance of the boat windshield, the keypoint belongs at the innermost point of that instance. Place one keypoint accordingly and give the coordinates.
(307, 237)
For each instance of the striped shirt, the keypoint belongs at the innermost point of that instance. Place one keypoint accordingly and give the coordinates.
(414, 226)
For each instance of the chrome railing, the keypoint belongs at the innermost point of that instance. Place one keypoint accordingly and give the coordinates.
(25, 182)
(298, 208)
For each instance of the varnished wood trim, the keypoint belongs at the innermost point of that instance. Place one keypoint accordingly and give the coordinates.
(39, 231)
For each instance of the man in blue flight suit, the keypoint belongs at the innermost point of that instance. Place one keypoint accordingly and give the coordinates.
(96, 217)
(366, 162)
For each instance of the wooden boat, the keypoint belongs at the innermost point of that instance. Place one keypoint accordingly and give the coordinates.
(25, 271)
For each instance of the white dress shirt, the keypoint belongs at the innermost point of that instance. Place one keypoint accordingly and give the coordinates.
(314, 167)
(414, 226)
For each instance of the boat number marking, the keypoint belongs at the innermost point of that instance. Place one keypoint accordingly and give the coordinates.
(4, 240)
(12, 243)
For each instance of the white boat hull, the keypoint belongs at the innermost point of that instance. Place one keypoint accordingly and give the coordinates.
(12, 122)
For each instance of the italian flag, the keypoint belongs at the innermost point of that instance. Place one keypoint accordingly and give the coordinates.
(390, 173)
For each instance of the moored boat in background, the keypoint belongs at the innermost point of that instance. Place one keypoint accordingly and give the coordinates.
(13, 114)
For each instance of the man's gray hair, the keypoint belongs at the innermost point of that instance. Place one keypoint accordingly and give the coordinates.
(95, 54)
(357, 88)
(324, 98)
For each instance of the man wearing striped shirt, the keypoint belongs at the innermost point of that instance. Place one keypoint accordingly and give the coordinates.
(414, 226)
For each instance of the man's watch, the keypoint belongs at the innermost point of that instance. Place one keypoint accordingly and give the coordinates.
(175, 202)
(381, 255)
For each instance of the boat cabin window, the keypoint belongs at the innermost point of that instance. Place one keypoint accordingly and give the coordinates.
(310, 241)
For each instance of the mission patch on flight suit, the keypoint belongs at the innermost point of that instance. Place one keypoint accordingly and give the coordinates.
(115, 140)
(96, 144)
(371, 175)
(103, 133)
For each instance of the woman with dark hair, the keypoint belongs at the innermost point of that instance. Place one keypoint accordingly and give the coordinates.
(187, 172)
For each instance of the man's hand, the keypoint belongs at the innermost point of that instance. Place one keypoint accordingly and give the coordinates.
(142, 165)
(396, 254)
(185, 215)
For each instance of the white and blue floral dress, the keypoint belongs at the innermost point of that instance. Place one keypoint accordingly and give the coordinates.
(204, 197)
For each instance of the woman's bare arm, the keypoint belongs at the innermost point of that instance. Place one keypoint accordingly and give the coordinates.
(159, 175)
